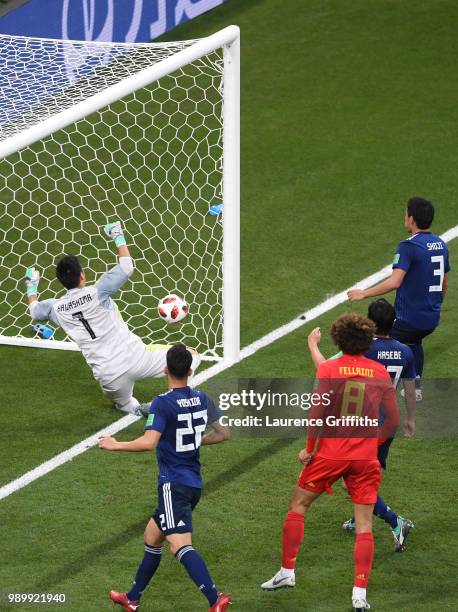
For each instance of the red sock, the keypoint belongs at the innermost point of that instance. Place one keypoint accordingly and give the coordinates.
(364, 555)
(293, 534)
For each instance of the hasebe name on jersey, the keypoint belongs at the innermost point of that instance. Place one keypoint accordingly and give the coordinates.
(388, 355)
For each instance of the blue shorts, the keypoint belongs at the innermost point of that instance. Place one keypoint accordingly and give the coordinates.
(403, 332)
(383, 451)
(175, 505)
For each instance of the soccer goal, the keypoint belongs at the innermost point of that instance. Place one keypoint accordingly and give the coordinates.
(147, 133)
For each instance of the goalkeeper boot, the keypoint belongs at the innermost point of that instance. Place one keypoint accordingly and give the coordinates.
(121, 599)
(401, 532)
(359, 605)
(349, 526)
(143, 410)
(280, 581)
(222, 603)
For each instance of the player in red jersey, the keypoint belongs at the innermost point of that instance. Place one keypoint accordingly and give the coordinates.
(355, 387)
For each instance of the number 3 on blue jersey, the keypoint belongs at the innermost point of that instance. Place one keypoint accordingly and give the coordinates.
(438, 271)
(190, 430)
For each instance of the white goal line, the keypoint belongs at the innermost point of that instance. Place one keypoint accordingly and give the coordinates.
(315, 312)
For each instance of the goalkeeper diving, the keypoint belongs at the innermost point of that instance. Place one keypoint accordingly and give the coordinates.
(90, 317)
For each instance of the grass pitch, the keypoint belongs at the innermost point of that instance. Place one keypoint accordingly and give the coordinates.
(346, 112)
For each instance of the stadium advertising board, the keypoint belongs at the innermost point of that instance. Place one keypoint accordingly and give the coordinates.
(100, 20)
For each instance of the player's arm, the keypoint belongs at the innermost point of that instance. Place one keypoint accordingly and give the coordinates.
(411, 404)
(147, 442)
(154, 428)
(390, 404)
(390, 284)
(115, 278)
(313, 339)
(39, 311)
(402, 261)
(444, 286)
(219, 433)
(317, 411)
(408, 379)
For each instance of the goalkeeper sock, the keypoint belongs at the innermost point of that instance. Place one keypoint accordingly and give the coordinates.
(384, 512)
(293, 534)
(145, 572)
(198, 572)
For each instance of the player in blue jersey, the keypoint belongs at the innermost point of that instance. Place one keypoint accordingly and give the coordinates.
(398, 360)
(175, 428)
(420, 277)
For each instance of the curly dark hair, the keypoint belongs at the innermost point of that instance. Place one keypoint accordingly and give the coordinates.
(353, 333)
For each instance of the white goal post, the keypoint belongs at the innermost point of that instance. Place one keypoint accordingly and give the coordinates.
(148, 133)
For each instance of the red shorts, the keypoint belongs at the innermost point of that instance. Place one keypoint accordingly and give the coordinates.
(361, 477)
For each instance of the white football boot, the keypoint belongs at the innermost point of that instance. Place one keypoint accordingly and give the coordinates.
(279, 581)
(359, 605)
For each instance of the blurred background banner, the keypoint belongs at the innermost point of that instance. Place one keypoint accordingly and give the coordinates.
(98, 20)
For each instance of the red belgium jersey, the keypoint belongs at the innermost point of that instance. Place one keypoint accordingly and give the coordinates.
(355, 387)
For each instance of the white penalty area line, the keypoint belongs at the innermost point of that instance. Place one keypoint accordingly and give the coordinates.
(308, 316)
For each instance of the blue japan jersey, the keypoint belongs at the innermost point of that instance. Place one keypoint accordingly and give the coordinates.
(181, 416)
(424, 258)
(395, 356)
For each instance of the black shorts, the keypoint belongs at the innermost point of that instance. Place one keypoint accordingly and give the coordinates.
(175, 505)
(405, 333)
(383, 451)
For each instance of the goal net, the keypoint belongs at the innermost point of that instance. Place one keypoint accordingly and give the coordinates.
(144, 133)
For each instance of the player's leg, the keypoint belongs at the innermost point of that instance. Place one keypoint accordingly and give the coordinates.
(363, 481)
(363, 554)
(152, 365)
(148, 566)
(177, 526)
(414, 339)
(150, 562)
(400, 527)
(154, 361)
(120, 392)
(293, 534)
(181, 547)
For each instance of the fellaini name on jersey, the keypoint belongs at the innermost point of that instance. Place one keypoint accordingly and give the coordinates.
(356, 371)
(84, 299)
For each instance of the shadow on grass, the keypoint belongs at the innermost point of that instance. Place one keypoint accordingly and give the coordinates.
(78, 564)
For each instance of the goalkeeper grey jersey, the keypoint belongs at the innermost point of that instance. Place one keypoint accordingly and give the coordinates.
(91, 319)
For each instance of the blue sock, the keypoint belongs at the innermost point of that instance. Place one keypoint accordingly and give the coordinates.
(419, 358)
(197, 570)
(384, 512)
(145, 572)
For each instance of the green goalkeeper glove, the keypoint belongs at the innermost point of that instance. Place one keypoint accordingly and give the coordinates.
(32, 278)
(114, 230)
